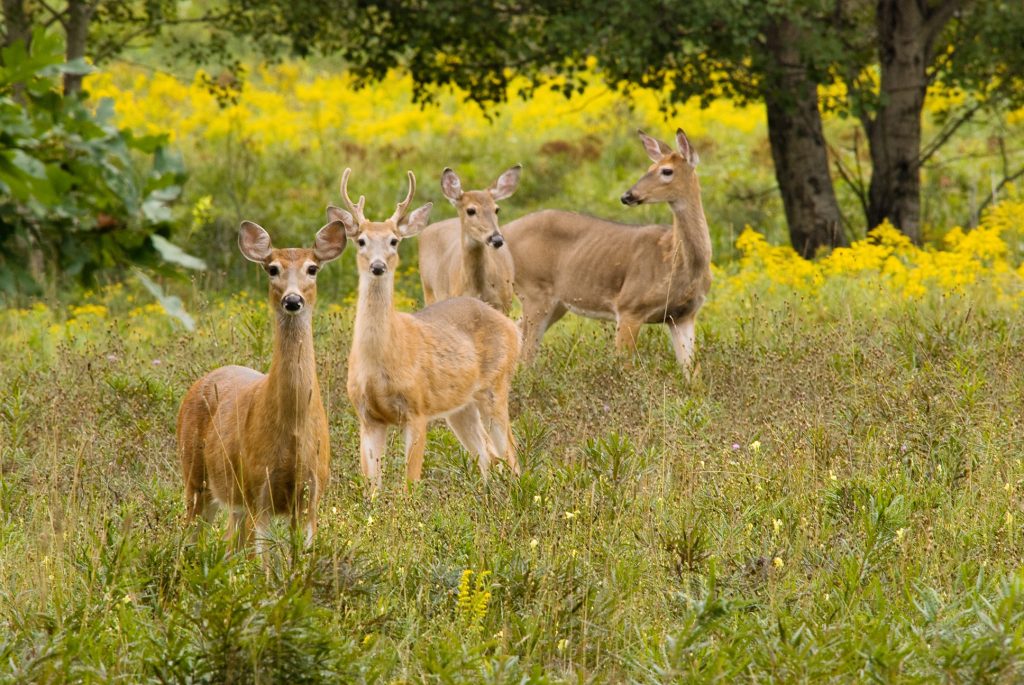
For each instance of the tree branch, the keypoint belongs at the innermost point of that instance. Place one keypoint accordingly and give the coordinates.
(937, 18)
(58, 16)
(948, 131)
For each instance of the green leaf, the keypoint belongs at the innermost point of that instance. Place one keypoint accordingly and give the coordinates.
(174, 254)
(171, 303)
(156, 207)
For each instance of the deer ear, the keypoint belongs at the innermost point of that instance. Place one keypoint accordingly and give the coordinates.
(506, 183)
(254, 242)
(655, 148)
(686, 149)
(330, 242)
(451, 186)
(336, 214)
(416, 221)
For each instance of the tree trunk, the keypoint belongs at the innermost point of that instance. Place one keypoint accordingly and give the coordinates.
(79, 13)
(798, 146)
(17, 23)
(906, 33)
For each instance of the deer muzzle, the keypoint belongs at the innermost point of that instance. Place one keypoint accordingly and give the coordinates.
(292, 303)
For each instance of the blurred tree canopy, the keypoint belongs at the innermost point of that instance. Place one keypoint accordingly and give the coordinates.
(886, 53)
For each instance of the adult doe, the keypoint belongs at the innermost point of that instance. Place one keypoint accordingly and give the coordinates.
(465, 255)
(606, 270)
(454, 359)
(254, 443)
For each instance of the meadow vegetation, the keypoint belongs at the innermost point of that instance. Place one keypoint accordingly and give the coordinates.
(836, 496)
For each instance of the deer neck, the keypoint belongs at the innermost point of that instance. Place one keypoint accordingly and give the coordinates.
(474, 267)
(376, 318)
(291, 386)
(690, 234)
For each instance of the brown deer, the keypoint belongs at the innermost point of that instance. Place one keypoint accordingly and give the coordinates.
(454, 359)
(629, 274)
(464, 256)
(257, 444)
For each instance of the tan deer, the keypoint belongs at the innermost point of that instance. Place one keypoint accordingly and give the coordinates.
(257, 444)
(464, 256)
(454, 359)
(629, 274)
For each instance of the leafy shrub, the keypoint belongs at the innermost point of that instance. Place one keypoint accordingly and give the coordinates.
(76, 198)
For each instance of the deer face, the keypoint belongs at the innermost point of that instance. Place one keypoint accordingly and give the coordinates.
(377, 241)
(478, 209)
(377, 247)
(670, 175)
(291, 271)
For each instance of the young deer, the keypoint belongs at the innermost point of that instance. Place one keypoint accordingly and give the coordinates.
(258, 444)
(630, 274)
(454, 359)
(463, 256)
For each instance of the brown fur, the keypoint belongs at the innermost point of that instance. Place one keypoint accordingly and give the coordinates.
(456, 257)
(629, 274)
(454, 359)
(257, 443)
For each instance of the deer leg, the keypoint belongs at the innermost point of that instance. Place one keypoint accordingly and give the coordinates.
(415, 443)
(627, 332)
(493, 409)
(304, 510)
(372, 441)
(468, 428)
(237, 531)
(259, 534)
(682, 334)
(538, 316)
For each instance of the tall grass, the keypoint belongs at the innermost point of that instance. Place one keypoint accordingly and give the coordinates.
(836, 497)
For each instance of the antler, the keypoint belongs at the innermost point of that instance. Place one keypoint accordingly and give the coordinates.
(403, 206)
(356, 208)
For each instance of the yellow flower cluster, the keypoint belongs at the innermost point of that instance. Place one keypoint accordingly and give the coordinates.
(474, 599)
(887, 260)
(295, 107)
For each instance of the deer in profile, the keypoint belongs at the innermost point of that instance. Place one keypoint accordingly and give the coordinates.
(454, 359)
(568, 262)
(465, 255)
(253, 443)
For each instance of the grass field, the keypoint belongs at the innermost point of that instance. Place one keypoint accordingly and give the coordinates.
(837, 496)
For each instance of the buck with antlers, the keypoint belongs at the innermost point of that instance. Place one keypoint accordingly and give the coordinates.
(464, 256)
(606, 270)
(254, 443)
(454, 359)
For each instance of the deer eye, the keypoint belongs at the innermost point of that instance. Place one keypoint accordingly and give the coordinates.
(312, 271)
(273, 270)
(497, 209)
(394, 242)
(666, 172)
(361, 242)
(471, 211)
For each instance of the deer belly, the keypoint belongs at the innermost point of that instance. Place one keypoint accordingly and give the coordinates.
(590, 311)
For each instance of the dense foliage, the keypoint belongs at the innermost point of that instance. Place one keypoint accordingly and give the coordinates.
(78, 194)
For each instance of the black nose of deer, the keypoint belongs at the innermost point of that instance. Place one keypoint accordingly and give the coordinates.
(292, 302)
(496, 240)
(628, 198)
(378, 268)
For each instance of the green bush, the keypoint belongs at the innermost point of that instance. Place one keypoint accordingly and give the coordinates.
(79, 196)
